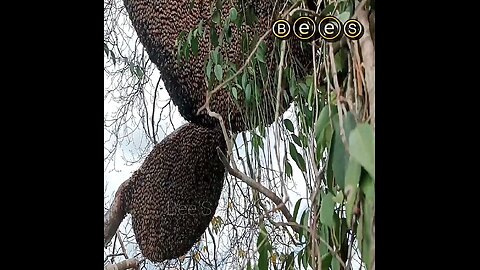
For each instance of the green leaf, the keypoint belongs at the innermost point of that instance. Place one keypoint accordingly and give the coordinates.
(327, 261)
(306, 258)
(326, 210)
(352, 195)
(319, 153)
(244, 80)
(296, 140)
(200, 29)
(288, 125)
(362, 147)
(329, 175)
(295, 209)
(257, 141)
(195, 46)
(218, 72)
(335, 264)
(112, 55)
(139, 72)
(308, 114)
(301, 163)
(216, 16)
(208, 69)
(179, 43)
(292, 82)
(260, 56)
(324, 232)
(328, 10)
(352, 176)
(249, 265)
(234, 93)
(215, 55)
(293, 150)
(297, 157)
(339, 156)
(339, 197)
(262, 246)
(245, 46)
(304, 222)
(233, 14)
(132, 68)
(349, 124)
(341, 60)
(260, 53)
(228, 34)
(322, 122)
(213, 36)
(189, 38)
(186, 51)
(105, 48)
(288, 169)
(310, 95)
(344, 16)
(248, 92)
(367, 186)
(309, 80)
(289, 263)
(219, 4)
(251, 71)
(304, 89)
(299, 258)
(251, 17)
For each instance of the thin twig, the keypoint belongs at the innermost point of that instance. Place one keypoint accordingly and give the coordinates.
(124, 250)
(214, 248)
(277, 114)
(332, 251)
(260, 188)
(153, 111)
(224, 131)
(333, 70)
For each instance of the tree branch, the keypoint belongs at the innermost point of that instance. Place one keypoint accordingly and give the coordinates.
(260, 188)
(123, 265)
(368, 56)
(115, 214)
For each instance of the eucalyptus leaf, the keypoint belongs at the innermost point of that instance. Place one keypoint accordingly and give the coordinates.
(326, 210)
(362, 147)
(288, 125)
(218, 72)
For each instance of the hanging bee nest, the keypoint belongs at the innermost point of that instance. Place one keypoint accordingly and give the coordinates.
(159, 23)
(174, 194)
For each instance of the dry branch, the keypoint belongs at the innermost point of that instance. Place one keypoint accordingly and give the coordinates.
(260, 188)
(114, 215)
(126, 264)
(368, 56)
